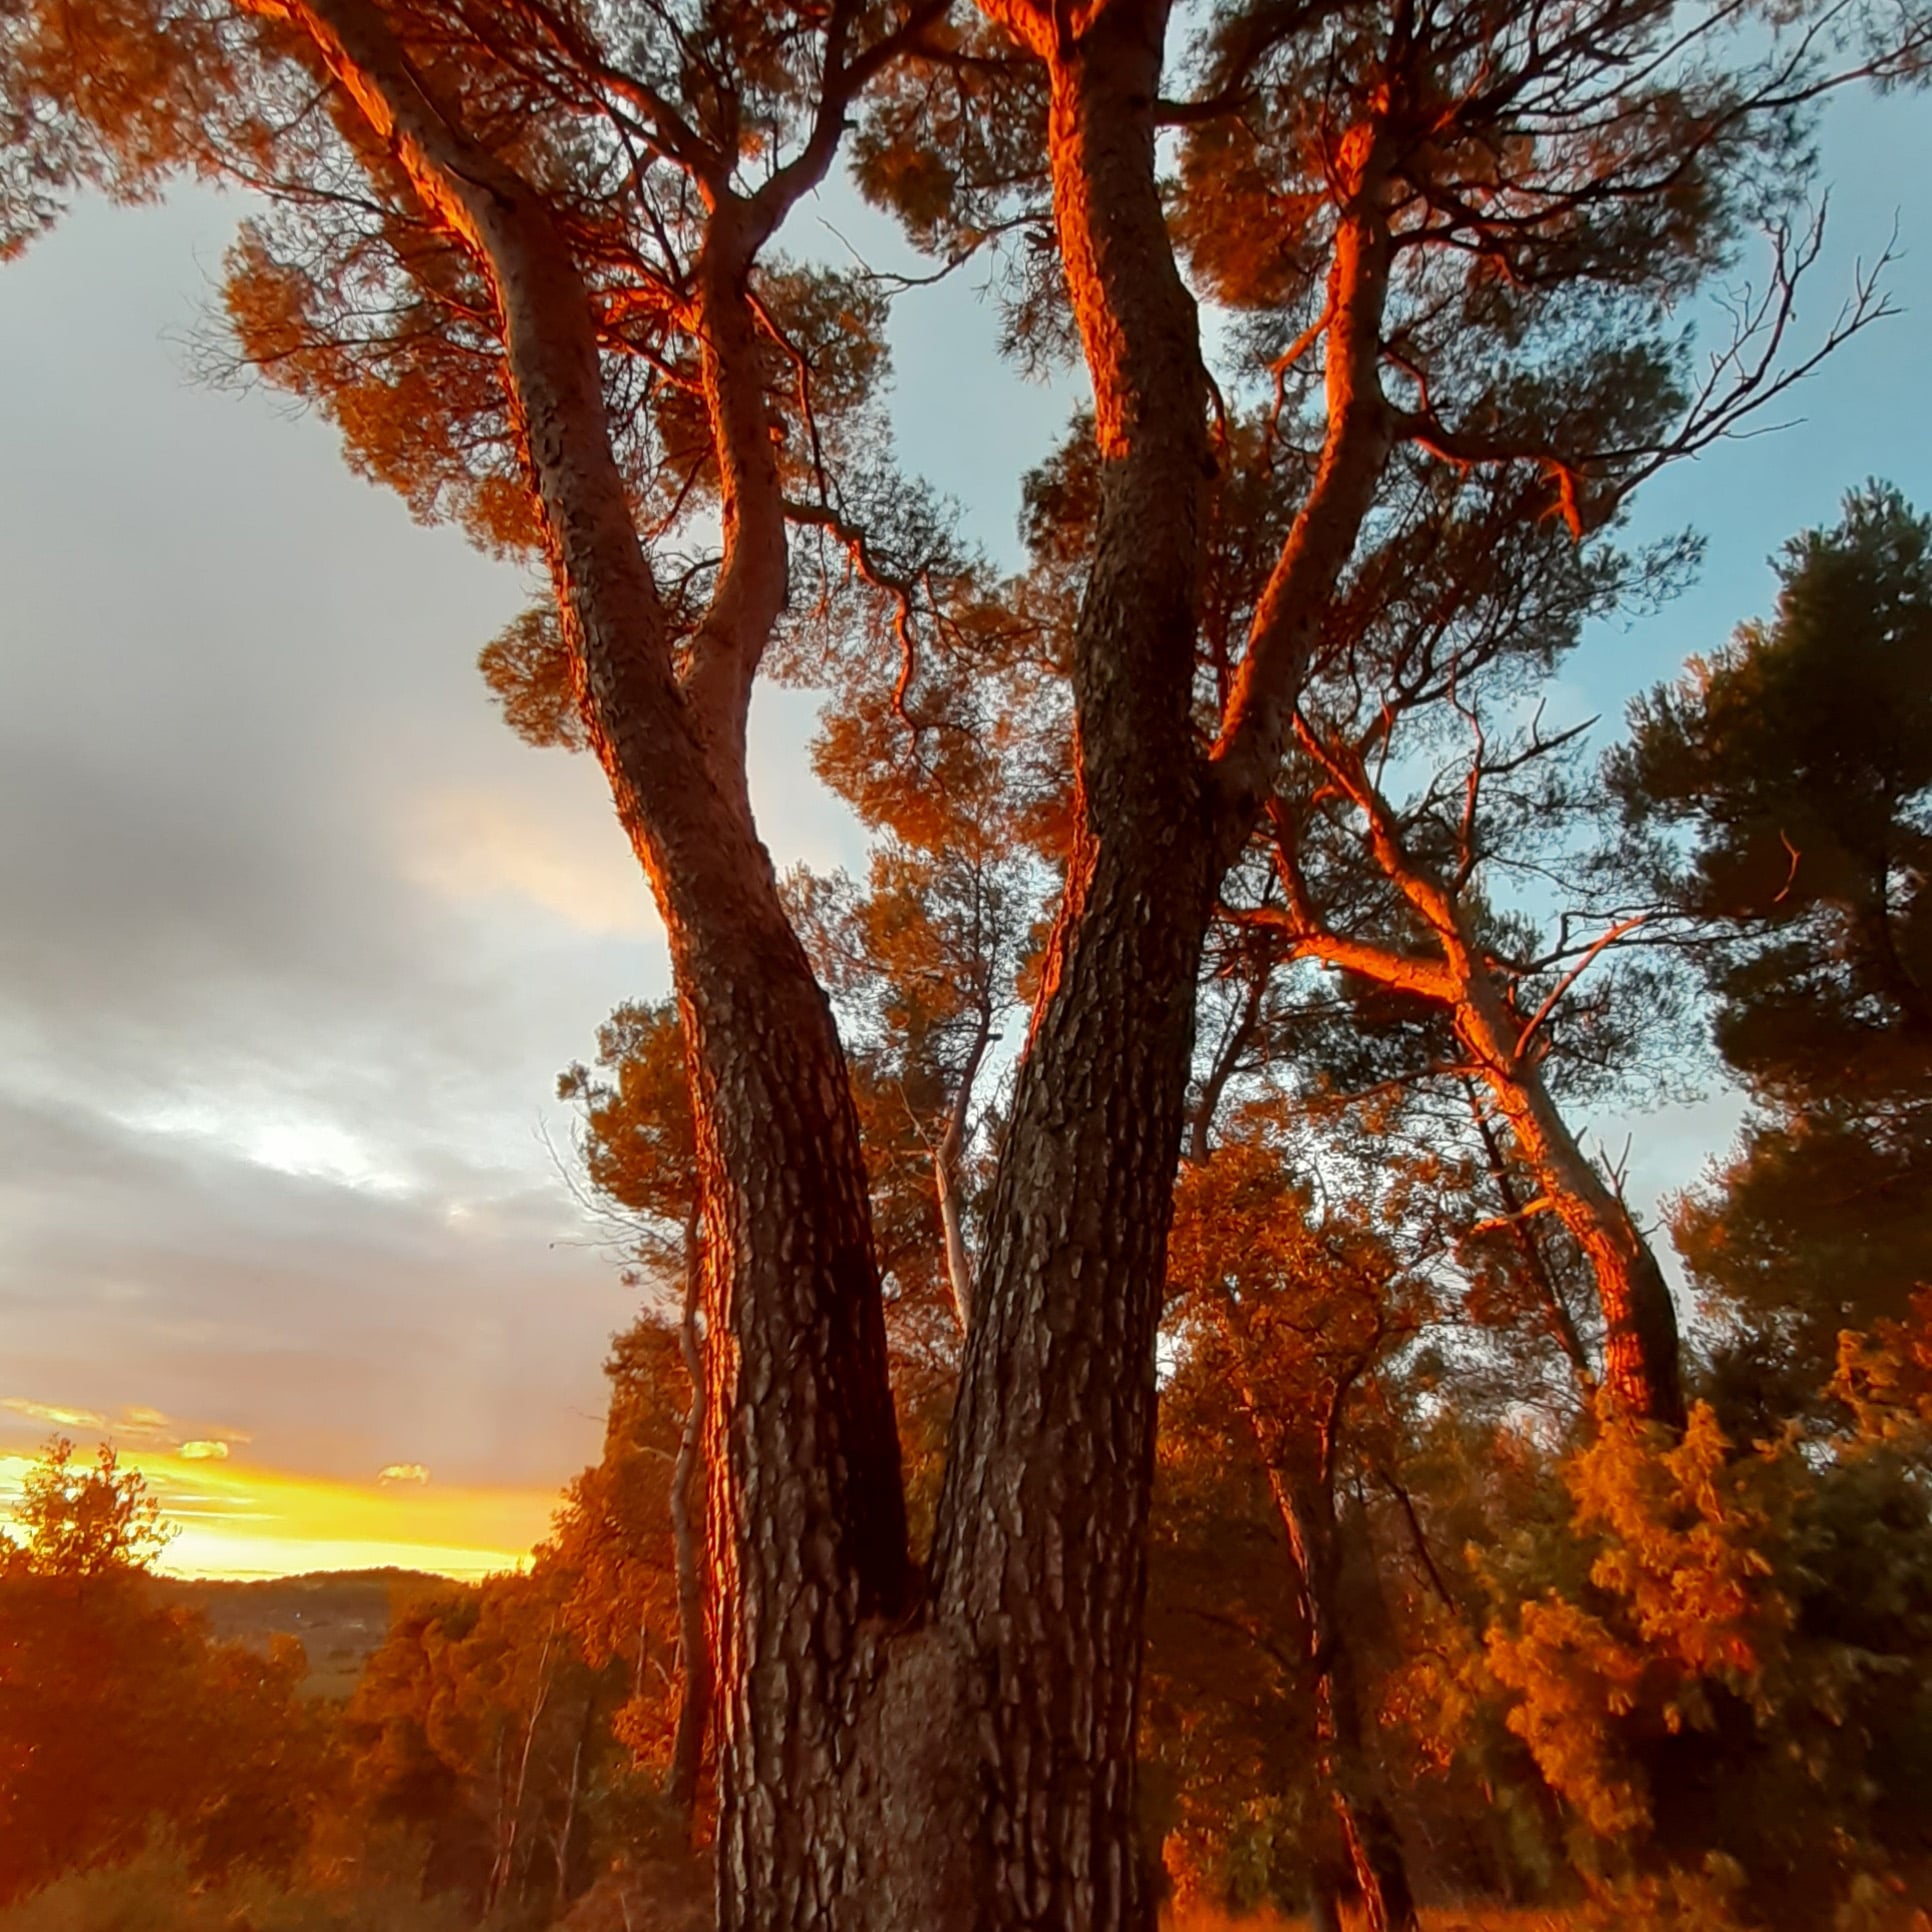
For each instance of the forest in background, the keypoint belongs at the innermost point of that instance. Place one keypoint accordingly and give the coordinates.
(1145, 1394)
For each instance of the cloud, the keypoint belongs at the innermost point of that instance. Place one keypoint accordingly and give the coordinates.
(138, 1427)
(296, 935)
(403, 1472)
(172, 1272)
(468, 845)
(62, 1418)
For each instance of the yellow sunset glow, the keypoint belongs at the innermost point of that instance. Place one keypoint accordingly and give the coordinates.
(235, 1519)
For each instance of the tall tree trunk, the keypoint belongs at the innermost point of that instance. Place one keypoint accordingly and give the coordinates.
(1324, 1905)
(1368, 1827)
(946, 1158)
(687, 1543)
(808, 1538)
(1039, 1553)
(1641, 1370)
(1536, 1262)
(573, 1793)
(510, 1822)
(1302, 1487)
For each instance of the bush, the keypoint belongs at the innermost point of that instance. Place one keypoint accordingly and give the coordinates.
(1719, 1662)
(157, 1892)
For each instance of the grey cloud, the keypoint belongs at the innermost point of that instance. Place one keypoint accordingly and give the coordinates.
(229, 675)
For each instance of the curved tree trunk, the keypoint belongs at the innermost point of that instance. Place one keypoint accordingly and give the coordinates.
(1641, 1371)
(1642, 1375)
(808, 1540)
(1536, 1262)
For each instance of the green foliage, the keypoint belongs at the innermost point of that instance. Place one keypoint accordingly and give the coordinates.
(1785, 786)
(1798, 761)
(1705, 1899)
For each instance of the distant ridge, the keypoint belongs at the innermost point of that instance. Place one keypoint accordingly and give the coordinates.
(338, 1616)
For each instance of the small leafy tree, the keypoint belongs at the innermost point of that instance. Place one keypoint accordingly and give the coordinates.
(120, 1719)
(77, 1522)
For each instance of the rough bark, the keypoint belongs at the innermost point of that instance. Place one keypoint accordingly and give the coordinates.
(1039, 1557)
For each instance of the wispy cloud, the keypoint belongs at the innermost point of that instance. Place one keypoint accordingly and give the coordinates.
(61, 1418)
(137, 1425)
(403, 1472)
(467, 845)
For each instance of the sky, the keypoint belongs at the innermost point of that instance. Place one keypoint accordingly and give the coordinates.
(295, 937)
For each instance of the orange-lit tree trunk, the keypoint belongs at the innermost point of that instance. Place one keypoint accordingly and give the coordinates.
(1038, 1569)
(1641, 1371)
(1038, 1564)
(808, 1539)
(1536, 1262)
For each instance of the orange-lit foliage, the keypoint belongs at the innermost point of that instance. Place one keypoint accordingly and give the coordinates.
(80, 1523)
(1678, 1615)
(120, 1718)
(480, 1729)
(611, 1549)
(1885, 1378)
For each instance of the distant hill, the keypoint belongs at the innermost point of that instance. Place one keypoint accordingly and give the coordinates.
(339, 1616)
